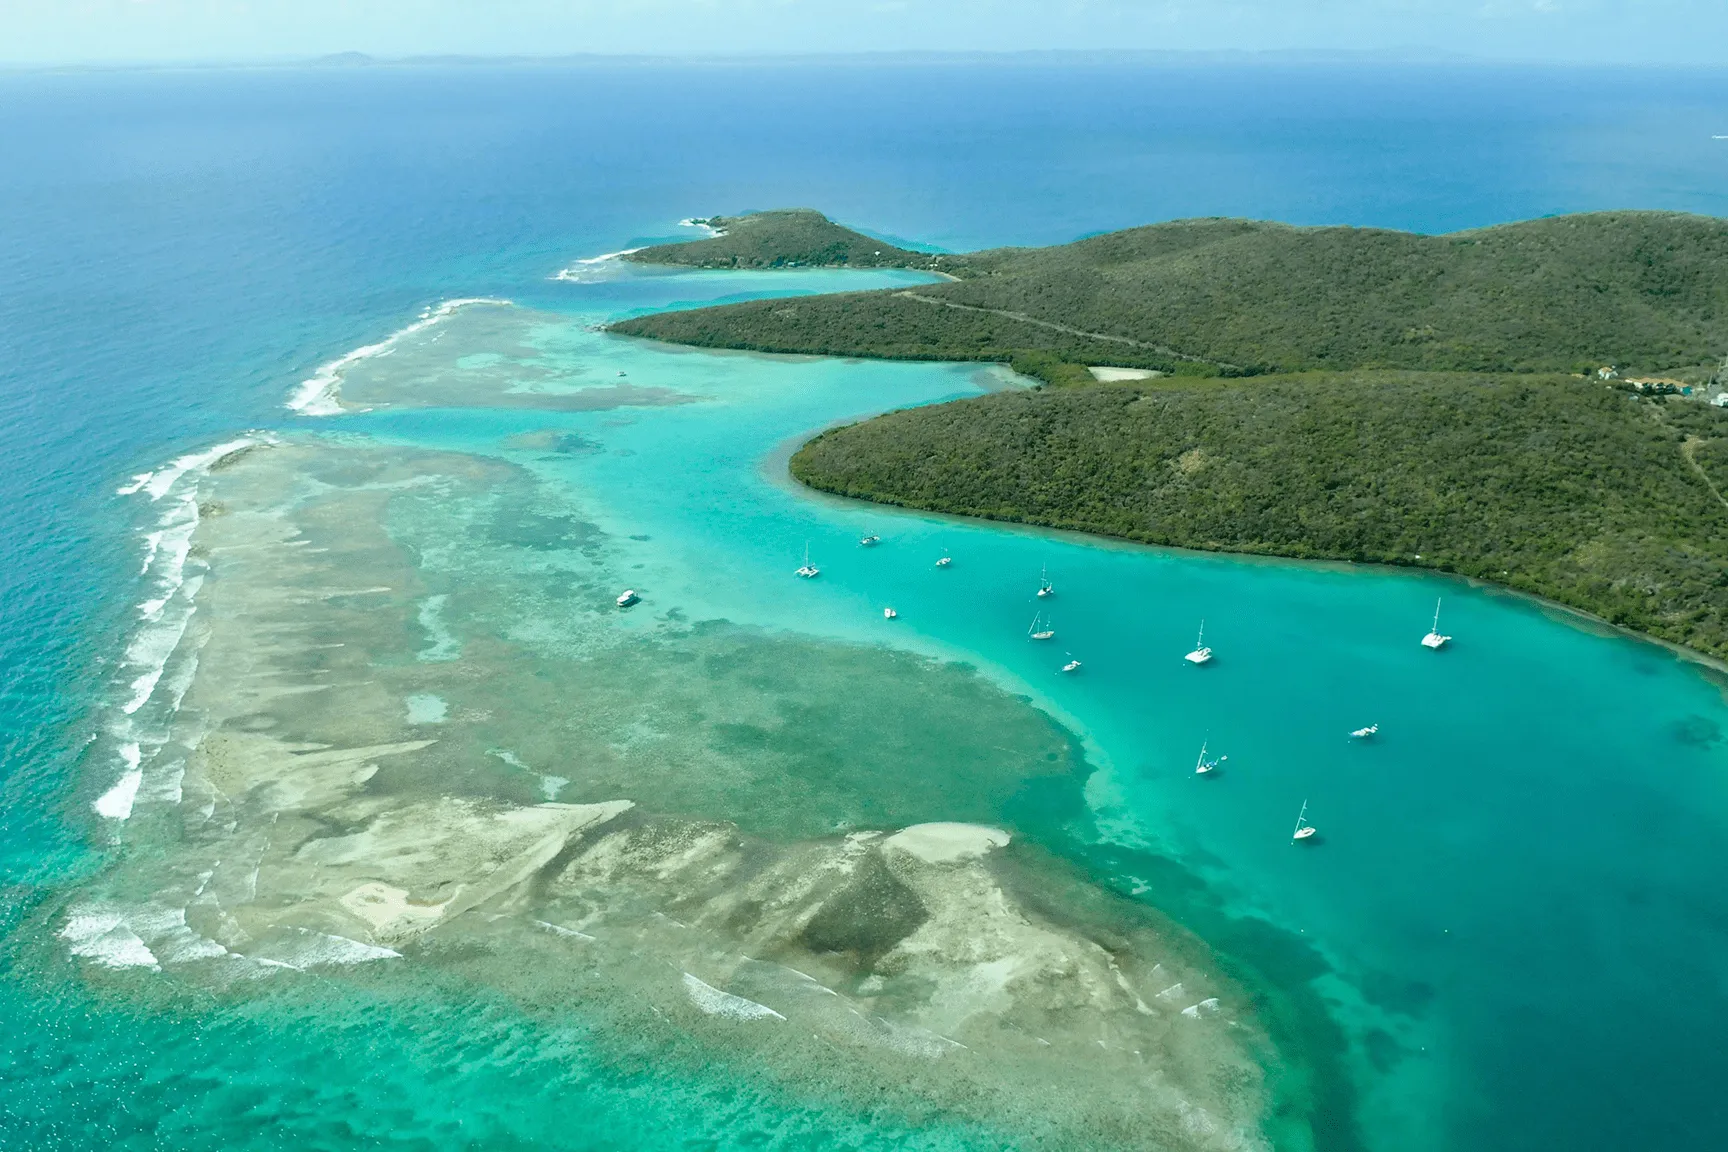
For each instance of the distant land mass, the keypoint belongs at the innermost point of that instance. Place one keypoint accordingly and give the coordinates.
(1329, 393)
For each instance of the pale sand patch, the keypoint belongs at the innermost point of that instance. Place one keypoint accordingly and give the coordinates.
(1106, 375)
(947, 843)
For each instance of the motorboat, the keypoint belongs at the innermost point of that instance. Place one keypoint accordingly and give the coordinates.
(945, 561)
(809, 570)
(1304, 830)
(1434, 639)
(869, 541)
(1201, 653)
(1073, 665)
(889, 614)
(1365, 733)
(628, 598)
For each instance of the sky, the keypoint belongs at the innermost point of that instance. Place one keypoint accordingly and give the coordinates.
(1605, 32)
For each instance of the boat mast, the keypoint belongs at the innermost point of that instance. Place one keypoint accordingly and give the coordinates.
(1299, 817)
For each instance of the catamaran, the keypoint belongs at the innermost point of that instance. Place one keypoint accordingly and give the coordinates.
(1304, 830)
(1365, 733)
(869, 541)
(808, 570)
(1203, 766)
(1434, 639)
(1073, 665)
(1039, 629)
(1201, 653)
(1045, 588)
(889, 614)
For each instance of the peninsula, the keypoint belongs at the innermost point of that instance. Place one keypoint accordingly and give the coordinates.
(1509, 403)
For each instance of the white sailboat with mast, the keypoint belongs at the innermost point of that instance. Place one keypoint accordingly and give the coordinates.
(1201, 653)
(1304, 830)
(1040, 629)
(809, 570)
(1434, 639)
(1045, 588)
(1205, 767)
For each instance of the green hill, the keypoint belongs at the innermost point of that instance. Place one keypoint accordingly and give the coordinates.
(1390, 397)
(1644, 290)
(1549, 484)
(787, 238)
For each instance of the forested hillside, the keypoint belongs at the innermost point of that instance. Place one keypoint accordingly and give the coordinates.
(1548, 484)
(1644, 290)
(787, 238)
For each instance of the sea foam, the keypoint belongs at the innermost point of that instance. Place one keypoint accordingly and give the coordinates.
(316, 395)
(717, 1003)
(593, 269)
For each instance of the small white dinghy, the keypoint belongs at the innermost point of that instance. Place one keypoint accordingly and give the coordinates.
(628, 598)
(1304, 830)
(889, 614)
(1205, 767)
(1365, 733)
(1073, 665)
(1201, 653)
(1434, 639)
(1039, 630)
(809, 570)
(1045, 588)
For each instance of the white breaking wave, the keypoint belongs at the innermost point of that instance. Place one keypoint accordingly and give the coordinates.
(102, 935)
(316, 395)
(165, 613)
(158, 483)
(304, 948)
(717, 1003)
(592, 269)
(116, 803)
(713, 232)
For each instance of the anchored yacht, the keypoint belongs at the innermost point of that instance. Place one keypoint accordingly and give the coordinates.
(809, 570)
(1039, 629)
(1205, 767)
(1365, 733)
(628, 598)
(889, 614)
(1045, 588)
(1201, 653)
(1434, 639)
(1304, 830)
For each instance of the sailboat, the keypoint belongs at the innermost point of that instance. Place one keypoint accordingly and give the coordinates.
(1365, 733)
(1201, 653)
(1434, 639)
(1039, 630)
(1045, 588)
(808, 570)
(1203, 766)
(1304, 830)
(1073, 665)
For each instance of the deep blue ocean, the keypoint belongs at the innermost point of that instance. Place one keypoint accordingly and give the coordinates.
(179, 249)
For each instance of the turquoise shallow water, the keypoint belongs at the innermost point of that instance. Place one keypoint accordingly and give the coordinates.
(1511, 887)
(1511, 922)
